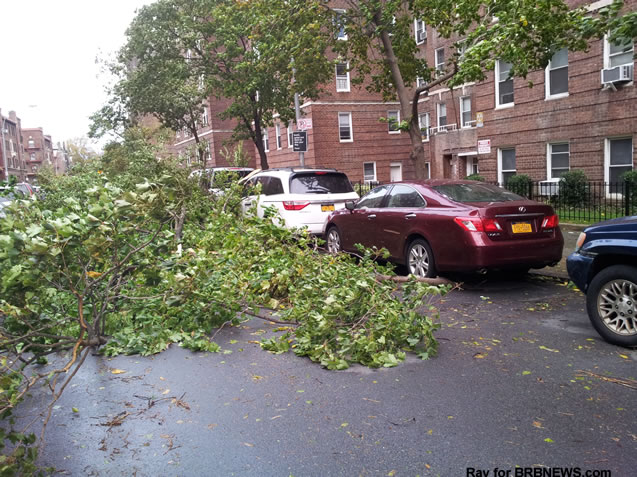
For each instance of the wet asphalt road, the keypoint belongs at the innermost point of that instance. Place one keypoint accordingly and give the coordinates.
(511, 386)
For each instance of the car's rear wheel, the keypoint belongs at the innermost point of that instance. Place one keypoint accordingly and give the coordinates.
(420, 259)
(611, 302)
(333, 239)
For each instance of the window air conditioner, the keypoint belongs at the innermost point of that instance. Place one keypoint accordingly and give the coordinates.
(422, 35)
(549, 188)
(617, 74)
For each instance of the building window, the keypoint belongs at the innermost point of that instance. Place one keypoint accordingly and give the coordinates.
(617, 55)
(369, 171)
(619, 158)
(442, 114)
(204, 116)
(472, 166)
(506, 164)
(31, 142)
(277, 130)
(557, 74)
(342, 78)
(420, 31)
(558, 160)
(428, 170)
(32, 156)
(290, 131)
(440, 59)
(266, 142)
(465, 112)
(423, 123)
(420, 82)
(393, 121)
(504, 84)
(208, 153)
(345, 127)
(339, 21)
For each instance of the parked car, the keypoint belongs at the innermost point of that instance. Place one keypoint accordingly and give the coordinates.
(450, 225)
(604, 267)
(4, 203)
(302, 197)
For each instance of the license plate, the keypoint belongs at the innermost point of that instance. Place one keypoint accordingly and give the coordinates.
(522, 228)
(327, 208)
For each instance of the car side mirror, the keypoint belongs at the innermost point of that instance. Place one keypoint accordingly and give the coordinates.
(350, 205)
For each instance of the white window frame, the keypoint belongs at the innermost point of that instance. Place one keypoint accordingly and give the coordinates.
(427, 126)
(417, 24)
(389, 122)
(549, 158)
(290, 131)
(500, 170)
(463, 123)
(340, 37)
(547, 80)
(342, 78)
(351, 129)
(420, 81)
(365, 177)
(428, 167)
(208, 153)
(440, 65)
(277, 131)
(497, 89)
(398, 165)
(470, 162)
(608, 57)
(607, 165)
(439, 107)
(266, 140)
(204, 116)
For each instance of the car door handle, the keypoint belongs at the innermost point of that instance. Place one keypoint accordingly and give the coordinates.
(410, 216)
(371, 216)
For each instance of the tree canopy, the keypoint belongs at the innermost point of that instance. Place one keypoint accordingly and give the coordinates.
(381, 47)
(256, 54)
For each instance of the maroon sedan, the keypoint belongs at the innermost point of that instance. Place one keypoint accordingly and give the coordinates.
(449, 225)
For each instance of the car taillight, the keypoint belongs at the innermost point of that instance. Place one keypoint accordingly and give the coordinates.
(550, 222)
(475, 224)
(491, 225)
(295, 204)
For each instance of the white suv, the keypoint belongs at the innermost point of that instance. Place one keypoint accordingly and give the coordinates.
(302, 197)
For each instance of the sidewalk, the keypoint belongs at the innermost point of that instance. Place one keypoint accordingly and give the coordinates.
(570, 233)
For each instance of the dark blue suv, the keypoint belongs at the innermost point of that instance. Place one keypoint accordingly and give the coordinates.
(604, 266)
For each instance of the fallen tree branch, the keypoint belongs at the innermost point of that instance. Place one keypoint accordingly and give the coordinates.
(629, 383)
(401, 279)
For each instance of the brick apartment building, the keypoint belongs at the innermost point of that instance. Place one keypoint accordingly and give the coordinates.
(11, 151)
(38, 151)
(581, 114)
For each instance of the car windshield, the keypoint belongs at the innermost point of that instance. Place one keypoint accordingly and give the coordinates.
(476, 192)
(320, 183)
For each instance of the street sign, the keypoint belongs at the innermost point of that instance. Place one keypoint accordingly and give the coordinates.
(484, 146)
(299, 141)
(304, 124)
(479, 120)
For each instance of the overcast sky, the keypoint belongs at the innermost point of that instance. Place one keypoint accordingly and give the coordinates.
(48, 69)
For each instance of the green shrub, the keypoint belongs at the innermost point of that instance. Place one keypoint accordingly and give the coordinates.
(574, 191)
(520, 184)
(475, 177)
(630, 178)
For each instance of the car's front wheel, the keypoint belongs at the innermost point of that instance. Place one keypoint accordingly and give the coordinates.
(333, 240)
(611, 302)
(420, 259)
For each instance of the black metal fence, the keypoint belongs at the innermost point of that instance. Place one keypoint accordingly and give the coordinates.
(581, 202)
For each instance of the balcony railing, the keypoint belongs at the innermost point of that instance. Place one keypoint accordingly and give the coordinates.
(443, 129)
